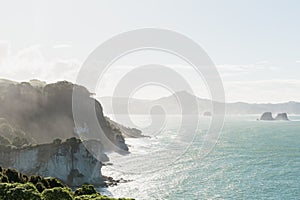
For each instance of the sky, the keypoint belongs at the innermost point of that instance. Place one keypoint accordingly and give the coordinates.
(254, 44)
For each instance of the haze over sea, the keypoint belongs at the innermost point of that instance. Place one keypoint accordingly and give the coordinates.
(252, 160)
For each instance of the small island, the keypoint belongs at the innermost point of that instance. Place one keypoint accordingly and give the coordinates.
(267, 116)
(282, 116)
(207, 114)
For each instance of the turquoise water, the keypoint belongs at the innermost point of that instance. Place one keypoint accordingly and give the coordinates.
(252, 160)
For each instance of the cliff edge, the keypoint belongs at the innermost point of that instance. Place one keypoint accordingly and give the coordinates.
(68, 161)
(36, 117)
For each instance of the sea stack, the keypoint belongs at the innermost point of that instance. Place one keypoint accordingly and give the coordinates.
(207, 114)
(282, 116)
(267, 116)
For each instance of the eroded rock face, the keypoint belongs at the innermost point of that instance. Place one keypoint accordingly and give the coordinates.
(34, 114)
(282, 116)
(267, 116)
(68, 161)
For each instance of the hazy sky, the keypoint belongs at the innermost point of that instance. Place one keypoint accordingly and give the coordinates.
(255, 44)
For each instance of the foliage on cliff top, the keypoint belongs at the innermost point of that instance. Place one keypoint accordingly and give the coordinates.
(15, 185)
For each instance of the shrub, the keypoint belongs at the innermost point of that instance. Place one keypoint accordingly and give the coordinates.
(85, 190)
(4, 187)
(4, 179)
(14, 176)
(24, 178)
(53, 182)
(19, 191)
(35, 179)
(17, 186)
(97, 197)
(94, 197)
(40, 187)
(45, 183)
(57, 193)
(88, 197)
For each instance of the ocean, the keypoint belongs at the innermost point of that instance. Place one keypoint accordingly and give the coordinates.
(251, 160)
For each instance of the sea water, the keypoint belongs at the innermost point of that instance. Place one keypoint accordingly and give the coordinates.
(251, 160)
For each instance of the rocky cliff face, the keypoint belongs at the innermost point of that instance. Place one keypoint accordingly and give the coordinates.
(33, 114)
(68, 161)
(43, 112)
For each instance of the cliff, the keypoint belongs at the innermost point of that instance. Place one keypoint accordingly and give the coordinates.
(69, 161)
(40, 112)
(34, 114)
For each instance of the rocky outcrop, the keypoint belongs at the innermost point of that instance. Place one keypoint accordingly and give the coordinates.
(267, 116)
(282, 116)
(127, 132)
(34, 114)
(207, 114)
(68, 161)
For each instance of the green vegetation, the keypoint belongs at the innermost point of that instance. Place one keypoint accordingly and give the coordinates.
(15, 185)
(57, 193)
(85, 190)
(19, 191)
